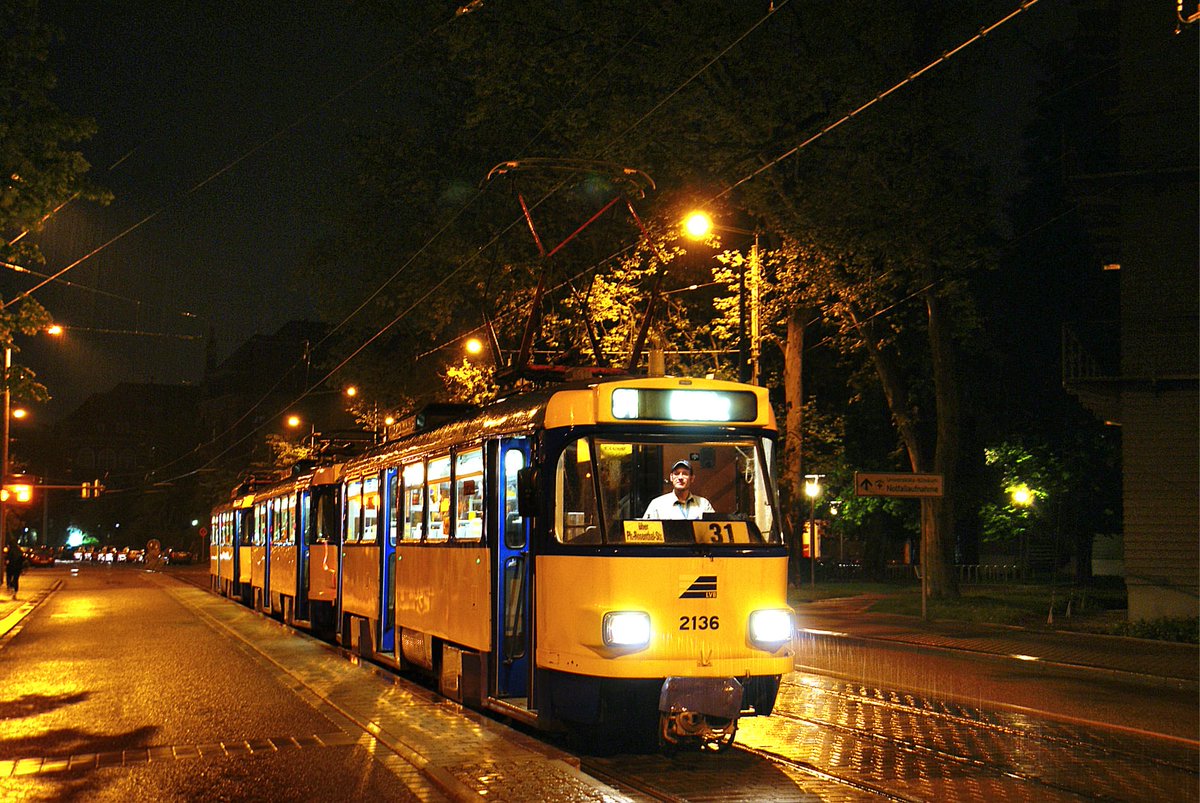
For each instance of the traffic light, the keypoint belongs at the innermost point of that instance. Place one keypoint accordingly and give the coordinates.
(16, 493)
(90, 490)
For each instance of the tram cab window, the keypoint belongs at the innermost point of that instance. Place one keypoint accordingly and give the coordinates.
(370, 509)
(353, 510)
(413, 500)
(468, 489)
(577, 514)
(440, 520)
(603, 486)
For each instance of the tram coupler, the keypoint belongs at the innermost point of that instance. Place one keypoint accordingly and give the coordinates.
(702, 711)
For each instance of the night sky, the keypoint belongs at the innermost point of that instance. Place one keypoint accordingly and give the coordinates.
(185, 95)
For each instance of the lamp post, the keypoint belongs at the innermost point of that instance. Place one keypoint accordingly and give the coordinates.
(697, 225)
(4, 459)
(1022, 497)
(812, 489)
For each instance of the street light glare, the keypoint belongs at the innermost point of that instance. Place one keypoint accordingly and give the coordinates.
(54, 329)
(474, 345)
(293, 420)
(697, 225)
(1021, 495)
(19, 412)
(352, 391)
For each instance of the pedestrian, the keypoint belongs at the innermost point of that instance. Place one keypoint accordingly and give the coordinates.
(14, 562)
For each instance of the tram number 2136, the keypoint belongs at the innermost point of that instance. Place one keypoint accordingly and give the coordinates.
(699, 623)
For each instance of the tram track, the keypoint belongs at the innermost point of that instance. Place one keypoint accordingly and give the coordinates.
(912, 708)
(904, 744)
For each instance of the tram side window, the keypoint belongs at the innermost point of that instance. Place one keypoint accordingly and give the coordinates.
(353, 510)
(304, 518)
(394, 500)
(328, 519)
(514, 531)
(281, 526)
(414, 502)
(370, 509)
(439, 499)
(468, 482)
(289, 519)
(256, 527)
(575, 490)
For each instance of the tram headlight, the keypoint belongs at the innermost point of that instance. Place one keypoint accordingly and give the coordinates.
(626, 629)
(771, 628)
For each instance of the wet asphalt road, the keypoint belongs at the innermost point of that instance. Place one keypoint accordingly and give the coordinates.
(112, 662)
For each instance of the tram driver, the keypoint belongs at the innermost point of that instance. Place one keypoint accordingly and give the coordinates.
(680, 503)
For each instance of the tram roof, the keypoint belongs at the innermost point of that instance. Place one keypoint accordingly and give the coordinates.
(577, 403)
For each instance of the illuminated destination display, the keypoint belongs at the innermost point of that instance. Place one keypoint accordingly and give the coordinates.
(684, 405)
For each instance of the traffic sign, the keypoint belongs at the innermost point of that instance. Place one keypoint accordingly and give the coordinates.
(915, 485)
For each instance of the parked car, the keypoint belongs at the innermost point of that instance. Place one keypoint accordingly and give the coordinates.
(40, 555)
(179, 556)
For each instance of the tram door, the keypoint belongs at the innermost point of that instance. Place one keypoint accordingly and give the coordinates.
(512, 604)
(303, 529)
(386, 638)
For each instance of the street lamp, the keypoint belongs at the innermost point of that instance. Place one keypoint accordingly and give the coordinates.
(697, 225)
(4, 438)
(812, 489)
(1022, 497)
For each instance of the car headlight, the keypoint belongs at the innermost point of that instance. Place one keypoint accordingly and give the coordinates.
(626, 629)
(771, 628)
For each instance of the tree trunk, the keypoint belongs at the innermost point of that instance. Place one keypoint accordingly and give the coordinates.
(943, 581)
(791, 478)
(937, 563)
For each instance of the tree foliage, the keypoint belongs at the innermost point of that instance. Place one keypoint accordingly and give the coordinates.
(875, 231)
(39, 169)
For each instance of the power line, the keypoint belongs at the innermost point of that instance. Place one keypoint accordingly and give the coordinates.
(909, 79)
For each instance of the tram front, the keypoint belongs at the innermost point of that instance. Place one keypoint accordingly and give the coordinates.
(662, 583)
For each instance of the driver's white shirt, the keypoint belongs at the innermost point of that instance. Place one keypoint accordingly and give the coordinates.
(668, 506)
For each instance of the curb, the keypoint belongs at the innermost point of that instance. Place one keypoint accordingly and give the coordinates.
(11, 624)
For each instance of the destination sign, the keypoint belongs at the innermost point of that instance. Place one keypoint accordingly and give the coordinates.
(915, 485)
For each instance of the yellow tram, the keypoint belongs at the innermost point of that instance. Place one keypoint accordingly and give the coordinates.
(513, 554)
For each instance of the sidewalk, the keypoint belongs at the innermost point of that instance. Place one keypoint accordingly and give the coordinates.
(36, 584)
(1152, 661)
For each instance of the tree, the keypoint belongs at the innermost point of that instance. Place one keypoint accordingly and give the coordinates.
(40, 170)
(880, 222)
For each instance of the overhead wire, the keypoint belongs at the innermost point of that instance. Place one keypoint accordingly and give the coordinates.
(277, 134)
(515, 223)
(946, 56)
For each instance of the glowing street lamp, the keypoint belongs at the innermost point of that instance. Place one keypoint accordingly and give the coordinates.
(473, 346)
(812, 489)
(1021, 495)
(7, 413)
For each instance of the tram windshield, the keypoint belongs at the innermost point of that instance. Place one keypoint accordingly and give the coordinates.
(622, 491)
